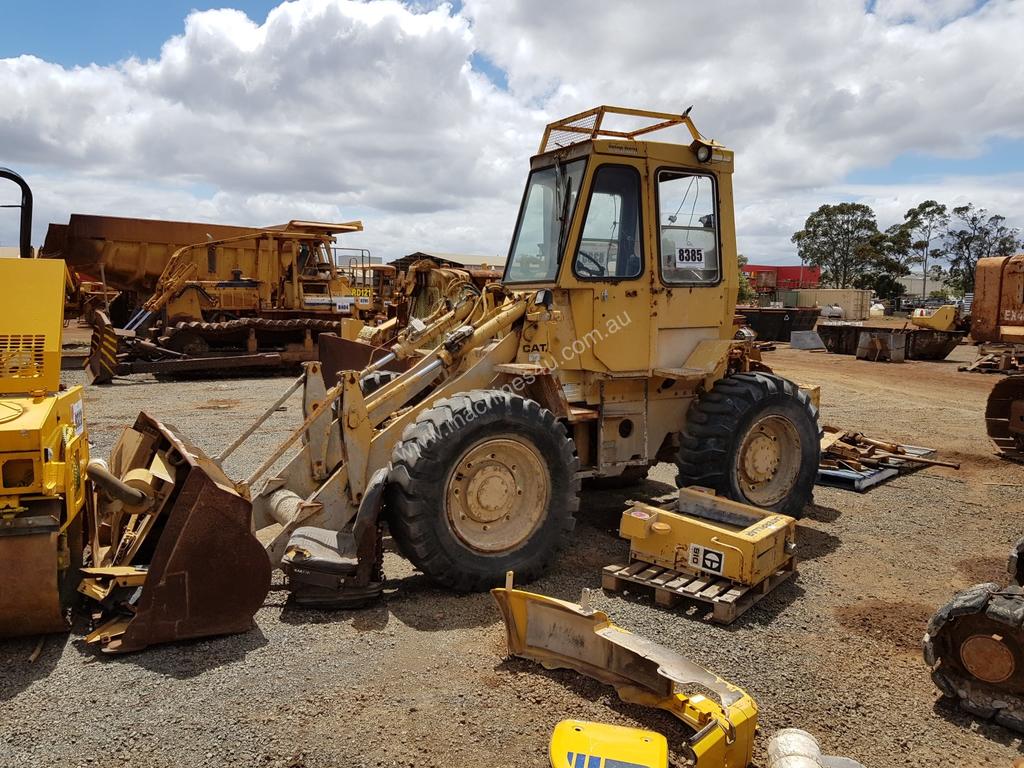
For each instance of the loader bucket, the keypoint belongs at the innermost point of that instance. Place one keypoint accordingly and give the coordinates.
(203, 571)
(338, 355)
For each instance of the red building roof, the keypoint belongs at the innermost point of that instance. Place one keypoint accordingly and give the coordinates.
(766, 278)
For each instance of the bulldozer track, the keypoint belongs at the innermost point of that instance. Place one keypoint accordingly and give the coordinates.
(231, 327)
(980, 631)
(999, 414)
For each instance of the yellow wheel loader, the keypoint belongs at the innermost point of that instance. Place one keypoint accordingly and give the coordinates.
(44, 448)
(607, 347)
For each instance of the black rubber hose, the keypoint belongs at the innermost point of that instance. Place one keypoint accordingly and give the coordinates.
(113, 485)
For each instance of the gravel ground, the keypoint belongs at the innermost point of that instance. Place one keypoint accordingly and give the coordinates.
(420, 679)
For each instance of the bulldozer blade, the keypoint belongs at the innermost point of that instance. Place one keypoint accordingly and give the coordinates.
(29, 585)
(208, 574)
(101, 365)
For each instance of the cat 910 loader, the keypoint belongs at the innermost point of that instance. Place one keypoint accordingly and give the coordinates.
(607, 347)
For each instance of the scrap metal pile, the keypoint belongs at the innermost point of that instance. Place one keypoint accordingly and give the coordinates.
(855, 461)
(1007, 359)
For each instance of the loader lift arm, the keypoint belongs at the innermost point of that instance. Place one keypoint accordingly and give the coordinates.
(345, 435)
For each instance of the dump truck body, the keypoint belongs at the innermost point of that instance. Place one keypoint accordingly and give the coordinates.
(997, 312)
(127, 254)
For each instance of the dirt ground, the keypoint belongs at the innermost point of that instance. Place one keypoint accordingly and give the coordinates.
(421, 679)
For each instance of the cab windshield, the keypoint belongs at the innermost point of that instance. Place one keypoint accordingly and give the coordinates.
(548, 207)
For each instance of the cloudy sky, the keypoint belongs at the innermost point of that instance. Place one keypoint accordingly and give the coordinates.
(420, 118)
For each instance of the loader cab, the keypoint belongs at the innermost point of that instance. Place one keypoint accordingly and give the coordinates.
(637, 240)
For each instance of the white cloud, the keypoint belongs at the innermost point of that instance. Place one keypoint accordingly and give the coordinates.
(339, 109)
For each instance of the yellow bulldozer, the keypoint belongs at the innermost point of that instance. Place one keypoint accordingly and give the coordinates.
(607, 347)
(252, 301)
(44, 448)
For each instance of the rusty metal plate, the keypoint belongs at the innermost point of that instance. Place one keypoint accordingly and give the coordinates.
(29, 593)
(987, 658)
(338, 354)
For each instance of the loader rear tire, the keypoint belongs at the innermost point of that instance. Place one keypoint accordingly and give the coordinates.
(754, 438)
(482, 483)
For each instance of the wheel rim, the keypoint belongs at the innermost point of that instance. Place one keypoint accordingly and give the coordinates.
(769, 460)
(987, 658)
(497, 494)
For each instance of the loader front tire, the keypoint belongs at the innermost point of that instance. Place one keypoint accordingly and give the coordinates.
(754, 438)
(482, 483)
(374, 381)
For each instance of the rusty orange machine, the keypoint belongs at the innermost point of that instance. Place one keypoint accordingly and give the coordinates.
(997, 317)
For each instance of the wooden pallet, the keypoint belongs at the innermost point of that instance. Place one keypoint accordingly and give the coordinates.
(725, 599)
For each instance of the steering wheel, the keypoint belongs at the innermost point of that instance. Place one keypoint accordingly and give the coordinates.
(597, 270)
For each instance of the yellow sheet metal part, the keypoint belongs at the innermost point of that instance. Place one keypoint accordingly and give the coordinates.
(559, 634)
(710, 535)
(578, 744)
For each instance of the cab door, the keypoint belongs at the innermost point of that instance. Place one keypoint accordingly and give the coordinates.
(694, 299)
(607, 271)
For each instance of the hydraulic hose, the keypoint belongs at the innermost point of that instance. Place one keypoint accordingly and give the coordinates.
(113, 486)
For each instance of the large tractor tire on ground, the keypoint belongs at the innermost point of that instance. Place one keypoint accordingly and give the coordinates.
(975, 648)
(754, 438)
(482, 483)
(1004, 417)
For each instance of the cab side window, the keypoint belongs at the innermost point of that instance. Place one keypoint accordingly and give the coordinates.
(688, 228)
(611, 247)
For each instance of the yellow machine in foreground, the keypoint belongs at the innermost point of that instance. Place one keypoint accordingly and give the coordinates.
(710, 536)
(44, 451)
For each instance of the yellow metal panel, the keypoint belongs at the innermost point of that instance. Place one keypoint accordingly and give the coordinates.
(576, 743)
(746, 544)
(32, 297)
(942, 319)
(558, 634)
